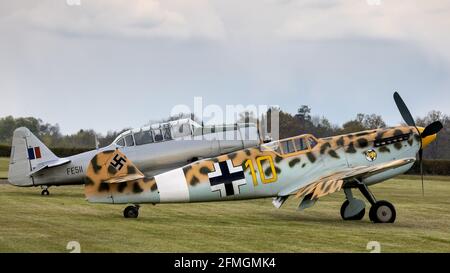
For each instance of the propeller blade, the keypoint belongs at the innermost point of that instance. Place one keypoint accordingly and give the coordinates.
(432, 129)
(407, 117)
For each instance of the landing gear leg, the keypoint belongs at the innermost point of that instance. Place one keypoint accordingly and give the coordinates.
(367, 193)
(45, 190)
(131, 211)
(381, 211)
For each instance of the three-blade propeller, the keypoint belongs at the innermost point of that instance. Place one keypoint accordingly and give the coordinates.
(431, 129)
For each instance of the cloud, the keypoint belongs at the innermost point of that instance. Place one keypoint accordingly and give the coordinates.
(60, 62)
(123, 19)
(424, 23)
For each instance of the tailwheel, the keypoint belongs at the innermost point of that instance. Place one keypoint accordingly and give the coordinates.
(131, 212)
(352, 216)
(45, 190)
(382, 212)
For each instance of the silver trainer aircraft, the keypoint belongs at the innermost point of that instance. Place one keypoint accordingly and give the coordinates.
(154, 149)
(302, 166)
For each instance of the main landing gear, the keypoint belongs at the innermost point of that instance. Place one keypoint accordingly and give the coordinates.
(354, 209)
(45, 190)
(131, 211)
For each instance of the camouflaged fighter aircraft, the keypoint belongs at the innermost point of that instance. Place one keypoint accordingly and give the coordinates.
(154, 149)
(303, 166)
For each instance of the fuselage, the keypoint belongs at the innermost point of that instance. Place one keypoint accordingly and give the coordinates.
(268, 170)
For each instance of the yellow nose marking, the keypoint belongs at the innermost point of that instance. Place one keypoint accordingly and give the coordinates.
(427, 140)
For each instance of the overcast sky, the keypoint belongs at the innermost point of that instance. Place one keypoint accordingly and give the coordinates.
(108, 64)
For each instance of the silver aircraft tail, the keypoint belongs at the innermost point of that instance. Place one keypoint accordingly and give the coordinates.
(28, 157)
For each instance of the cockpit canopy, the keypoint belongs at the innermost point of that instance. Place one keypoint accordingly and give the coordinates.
(157, 133)
(186, 129)
(291, 145)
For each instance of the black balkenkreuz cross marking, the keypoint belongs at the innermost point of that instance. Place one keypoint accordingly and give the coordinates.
(118, 162)
(226, 178)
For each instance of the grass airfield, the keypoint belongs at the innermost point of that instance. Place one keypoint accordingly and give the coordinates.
(34, 223)
(4, 164)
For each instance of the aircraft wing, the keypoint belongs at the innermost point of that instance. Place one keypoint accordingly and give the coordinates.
(333, 182)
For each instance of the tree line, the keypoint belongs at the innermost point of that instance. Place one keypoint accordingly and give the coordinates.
(289, 125)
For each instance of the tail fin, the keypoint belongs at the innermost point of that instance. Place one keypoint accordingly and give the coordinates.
(109, 173)
(28, 155)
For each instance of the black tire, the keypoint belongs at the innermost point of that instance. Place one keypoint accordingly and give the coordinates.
(45, 192)
(358, 216)
(382, 212)
(131, 212)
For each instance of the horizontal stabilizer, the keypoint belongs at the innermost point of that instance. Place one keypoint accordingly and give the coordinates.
(49, 164)
(129, 177)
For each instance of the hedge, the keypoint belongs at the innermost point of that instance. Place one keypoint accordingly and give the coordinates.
(5, 151)
(432, 167)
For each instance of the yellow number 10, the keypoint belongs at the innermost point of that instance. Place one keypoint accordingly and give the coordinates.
(264, 179)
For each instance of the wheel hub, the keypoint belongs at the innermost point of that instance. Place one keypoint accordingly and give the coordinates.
(384, 213)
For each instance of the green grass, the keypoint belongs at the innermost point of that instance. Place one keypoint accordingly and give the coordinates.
(4, 163)
(34, 223)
